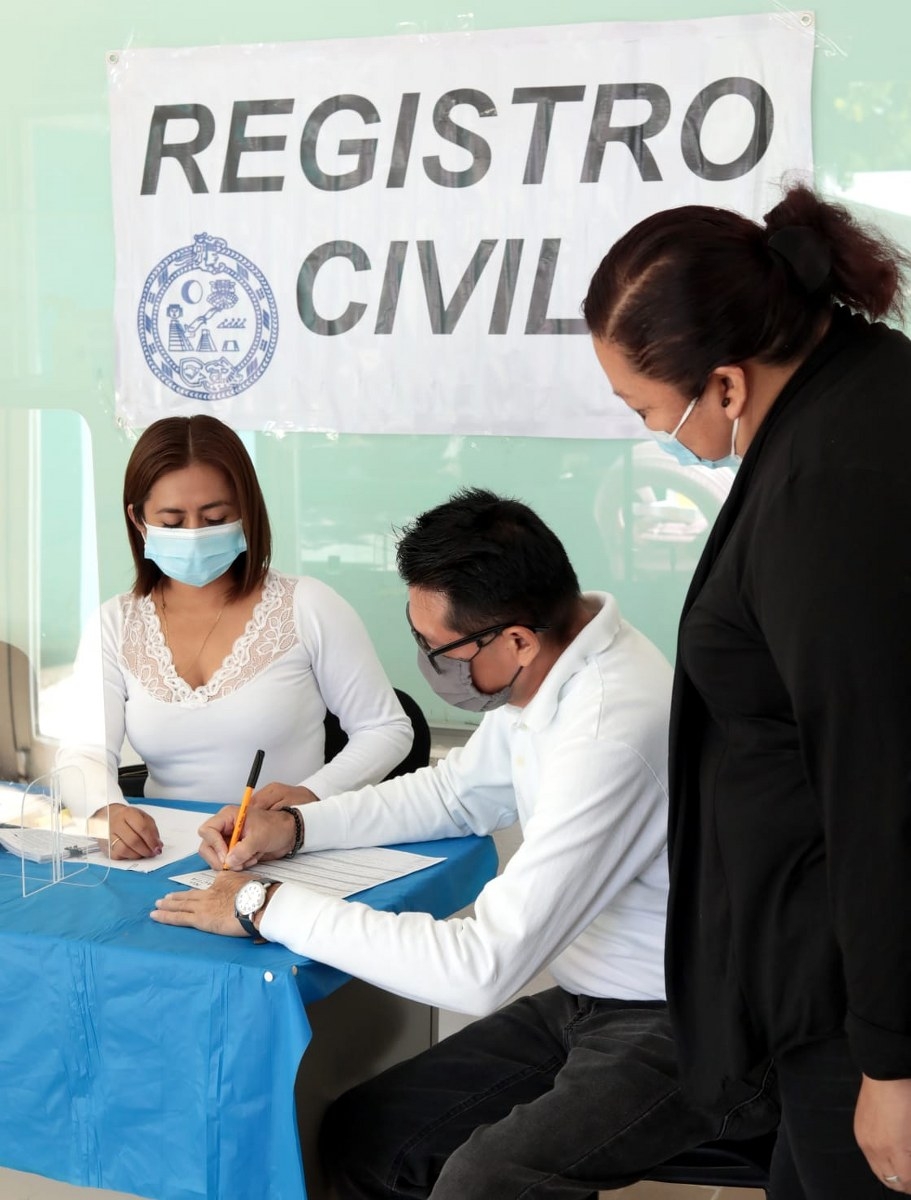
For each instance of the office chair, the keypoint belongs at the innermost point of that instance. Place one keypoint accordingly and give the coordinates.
(720, 1164)
(24, 752)
(16, 734)
(132, 778)
(419, 754)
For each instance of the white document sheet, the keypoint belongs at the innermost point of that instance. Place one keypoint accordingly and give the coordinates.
(332, 872)
(178, 828)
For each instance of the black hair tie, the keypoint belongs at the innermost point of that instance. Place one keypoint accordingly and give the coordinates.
(806, 253)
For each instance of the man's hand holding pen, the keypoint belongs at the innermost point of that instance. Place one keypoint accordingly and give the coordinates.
(236, 838)
(267, 834)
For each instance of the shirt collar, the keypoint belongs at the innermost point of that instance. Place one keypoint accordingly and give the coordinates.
(590, 641)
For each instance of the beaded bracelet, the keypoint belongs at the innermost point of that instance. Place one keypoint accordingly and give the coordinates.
(298, 830)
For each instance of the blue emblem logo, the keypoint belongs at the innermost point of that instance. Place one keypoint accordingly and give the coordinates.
(208, 322)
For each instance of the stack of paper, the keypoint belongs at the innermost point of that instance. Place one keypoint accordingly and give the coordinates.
(44, 845)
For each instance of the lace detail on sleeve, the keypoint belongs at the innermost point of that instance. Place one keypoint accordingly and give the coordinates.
(270, 634)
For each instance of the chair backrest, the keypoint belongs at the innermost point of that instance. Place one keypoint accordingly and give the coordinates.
(16, 733)
(419, 754)
(132, 778)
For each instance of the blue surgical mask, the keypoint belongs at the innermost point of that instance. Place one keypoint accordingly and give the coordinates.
(195, 556)
(670, 443)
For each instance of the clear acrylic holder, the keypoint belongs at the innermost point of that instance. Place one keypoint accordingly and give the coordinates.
(45, 827)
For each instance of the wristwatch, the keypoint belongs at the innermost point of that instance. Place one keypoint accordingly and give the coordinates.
(248, 901)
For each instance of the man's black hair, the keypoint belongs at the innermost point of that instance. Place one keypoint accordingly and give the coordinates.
(494, 560)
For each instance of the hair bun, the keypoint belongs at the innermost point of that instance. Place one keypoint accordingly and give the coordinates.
(805, 252)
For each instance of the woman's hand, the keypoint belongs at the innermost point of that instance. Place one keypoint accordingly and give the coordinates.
(282, 795)
(882, 1126)
(129, 832)
(266, 835)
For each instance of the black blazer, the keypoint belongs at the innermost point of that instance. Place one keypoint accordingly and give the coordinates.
(790, 771)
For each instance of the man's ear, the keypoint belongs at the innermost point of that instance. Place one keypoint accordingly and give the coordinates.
(728, 388)
(526, 643)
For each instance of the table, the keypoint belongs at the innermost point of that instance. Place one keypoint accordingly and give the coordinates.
(161, 1061)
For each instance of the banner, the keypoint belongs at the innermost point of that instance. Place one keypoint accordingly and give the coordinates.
(394, 235)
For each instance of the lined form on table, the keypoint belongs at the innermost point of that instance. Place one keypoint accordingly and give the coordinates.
(332, 872)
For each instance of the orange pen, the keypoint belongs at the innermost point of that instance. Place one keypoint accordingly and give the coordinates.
(245, 803)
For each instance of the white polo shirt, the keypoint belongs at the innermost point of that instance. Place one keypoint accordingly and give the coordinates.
(583, 769)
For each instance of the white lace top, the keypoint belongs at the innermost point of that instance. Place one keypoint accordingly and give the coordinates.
(304, 650)
(270, 633)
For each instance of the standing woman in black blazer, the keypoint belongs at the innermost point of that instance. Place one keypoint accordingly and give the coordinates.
(789, 932)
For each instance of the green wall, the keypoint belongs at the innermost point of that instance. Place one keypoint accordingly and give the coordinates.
(631, 524)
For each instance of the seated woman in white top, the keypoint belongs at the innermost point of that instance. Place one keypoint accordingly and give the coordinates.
(213, 656)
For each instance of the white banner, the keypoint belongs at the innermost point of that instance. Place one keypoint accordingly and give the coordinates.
(394, 235)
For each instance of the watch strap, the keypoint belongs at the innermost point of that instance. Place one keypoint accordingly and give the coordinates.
(246, 923)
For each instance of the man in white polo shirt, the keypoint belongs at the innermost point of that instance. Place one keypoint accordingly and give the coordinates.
(573, 1088)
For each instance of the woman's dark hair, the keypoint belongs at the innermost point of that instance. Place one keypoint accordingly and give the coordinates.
(692, 288)
(494, 560)
(174, 443)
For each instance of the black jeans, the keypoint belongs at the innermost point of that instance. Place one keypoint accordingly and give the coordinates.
(816, 1156)
(553, 1096)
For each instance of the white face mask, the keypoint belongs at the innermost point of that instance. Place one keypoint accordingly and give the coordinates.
(686, 457)
(195, 556)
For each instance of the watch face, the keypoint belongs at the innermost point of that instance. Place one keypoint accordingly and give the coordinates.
(250, 898)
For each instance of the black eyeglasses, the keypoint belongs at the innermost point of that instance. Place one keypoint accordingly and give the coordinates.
(491, 632)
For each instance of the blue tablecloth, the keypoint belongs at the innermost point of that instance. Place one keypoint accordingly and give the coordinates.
(161, 1061)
